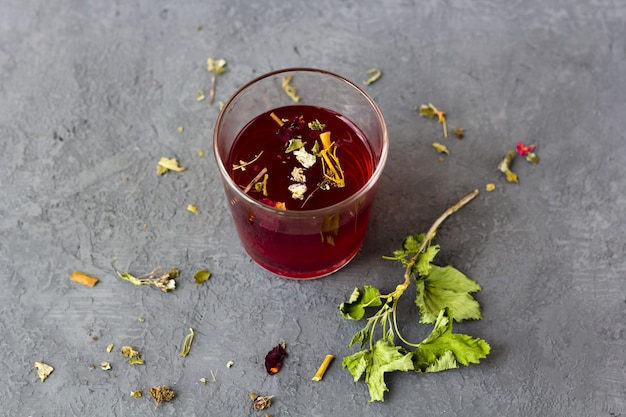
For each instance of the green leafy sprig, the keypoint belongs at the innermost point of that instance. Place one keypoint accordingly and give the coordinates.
(443, 294)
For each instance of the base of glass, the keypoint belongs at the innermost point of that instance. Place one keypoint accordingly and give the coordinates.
(306, 275)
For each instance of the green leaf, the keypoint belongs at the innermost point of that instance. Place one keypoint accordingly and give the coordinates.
(443, 349)
(354, 309)
(446, 287)
(423, 264)
(411, 244)
(362, 337)
(385, 357)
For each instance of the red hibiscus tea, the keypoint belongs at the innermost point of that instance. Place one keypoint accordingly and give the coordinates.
(301, 178)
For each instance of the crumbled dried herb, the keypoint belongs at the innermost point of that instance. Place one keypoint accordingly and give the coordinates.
(168, 164)
(201, 276)
(110, 348)
(187, 343)
(261, 402)
(441, 148)
(105, 366)
(192, 209)
(431, 111)
(527, 151)
(201, 96)
(134, 357)
(459, 132)
(376, 74)
(160, 394)
(505, 167)
(230, 364)
(43, 370)
(136, 394)
(289, 89)
(331, 168)
(180, 129)
(161, 280)
(215, 67)
(274, 358)
(490, 187)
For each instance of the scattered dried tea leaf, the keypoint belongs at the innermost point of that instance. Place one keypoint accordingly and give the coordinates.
(105, 366)
(160, 394)
(440, 159)
(323, 367)
(306, 159)
(201, 276)
(136, 394)
(431, 111)
(140, 319)
(83, 278)
(297, 190)
(490, 187)
(505, 167)
(261, 402)
(187, 344)
(274, 358)
(192, 209)
(459, 132)
(180, 129)
(201, 96)
(134, 357)
(527, 151)
(43, 370)
(215, 67)
(289, 89)
(294, 145)
(110, 348)
(161, 280)
(204, 381)
(200, 153)
(441, 148)
(230, 364)
(168, 164)
(376, 74)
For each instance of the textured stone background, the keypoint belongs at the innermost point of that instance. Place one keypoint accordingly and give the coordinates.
(91, 95)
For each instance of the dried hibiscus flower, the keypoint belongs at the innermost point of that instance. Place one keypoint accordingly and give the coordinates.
(274, 358)
(291, 129)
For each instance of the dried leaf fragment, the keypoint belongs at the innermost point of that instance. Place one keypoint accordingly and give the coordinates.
(201, 276)
(163, 281)
(431, 111)
(505, 167)
(168, 164)
(160, 394)
(83, 278)
(105, 366)
(201, 96)
(110, 348)
(490, 187)
(376, 74)
(187, 343)
(136, 394)
(134, 357)
(261, 402)
(230, 364)
(441, 148)
(323, 367)
(43, 370)
(215, 67)
(459, 132)
(192, 209)
(289, 89)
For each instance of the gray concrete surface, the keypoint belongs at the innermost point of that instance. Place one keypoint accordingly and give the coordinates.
(91, 95)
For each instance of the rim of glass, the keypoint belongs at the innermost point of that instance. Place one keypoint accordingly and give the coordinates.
(303, 213)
